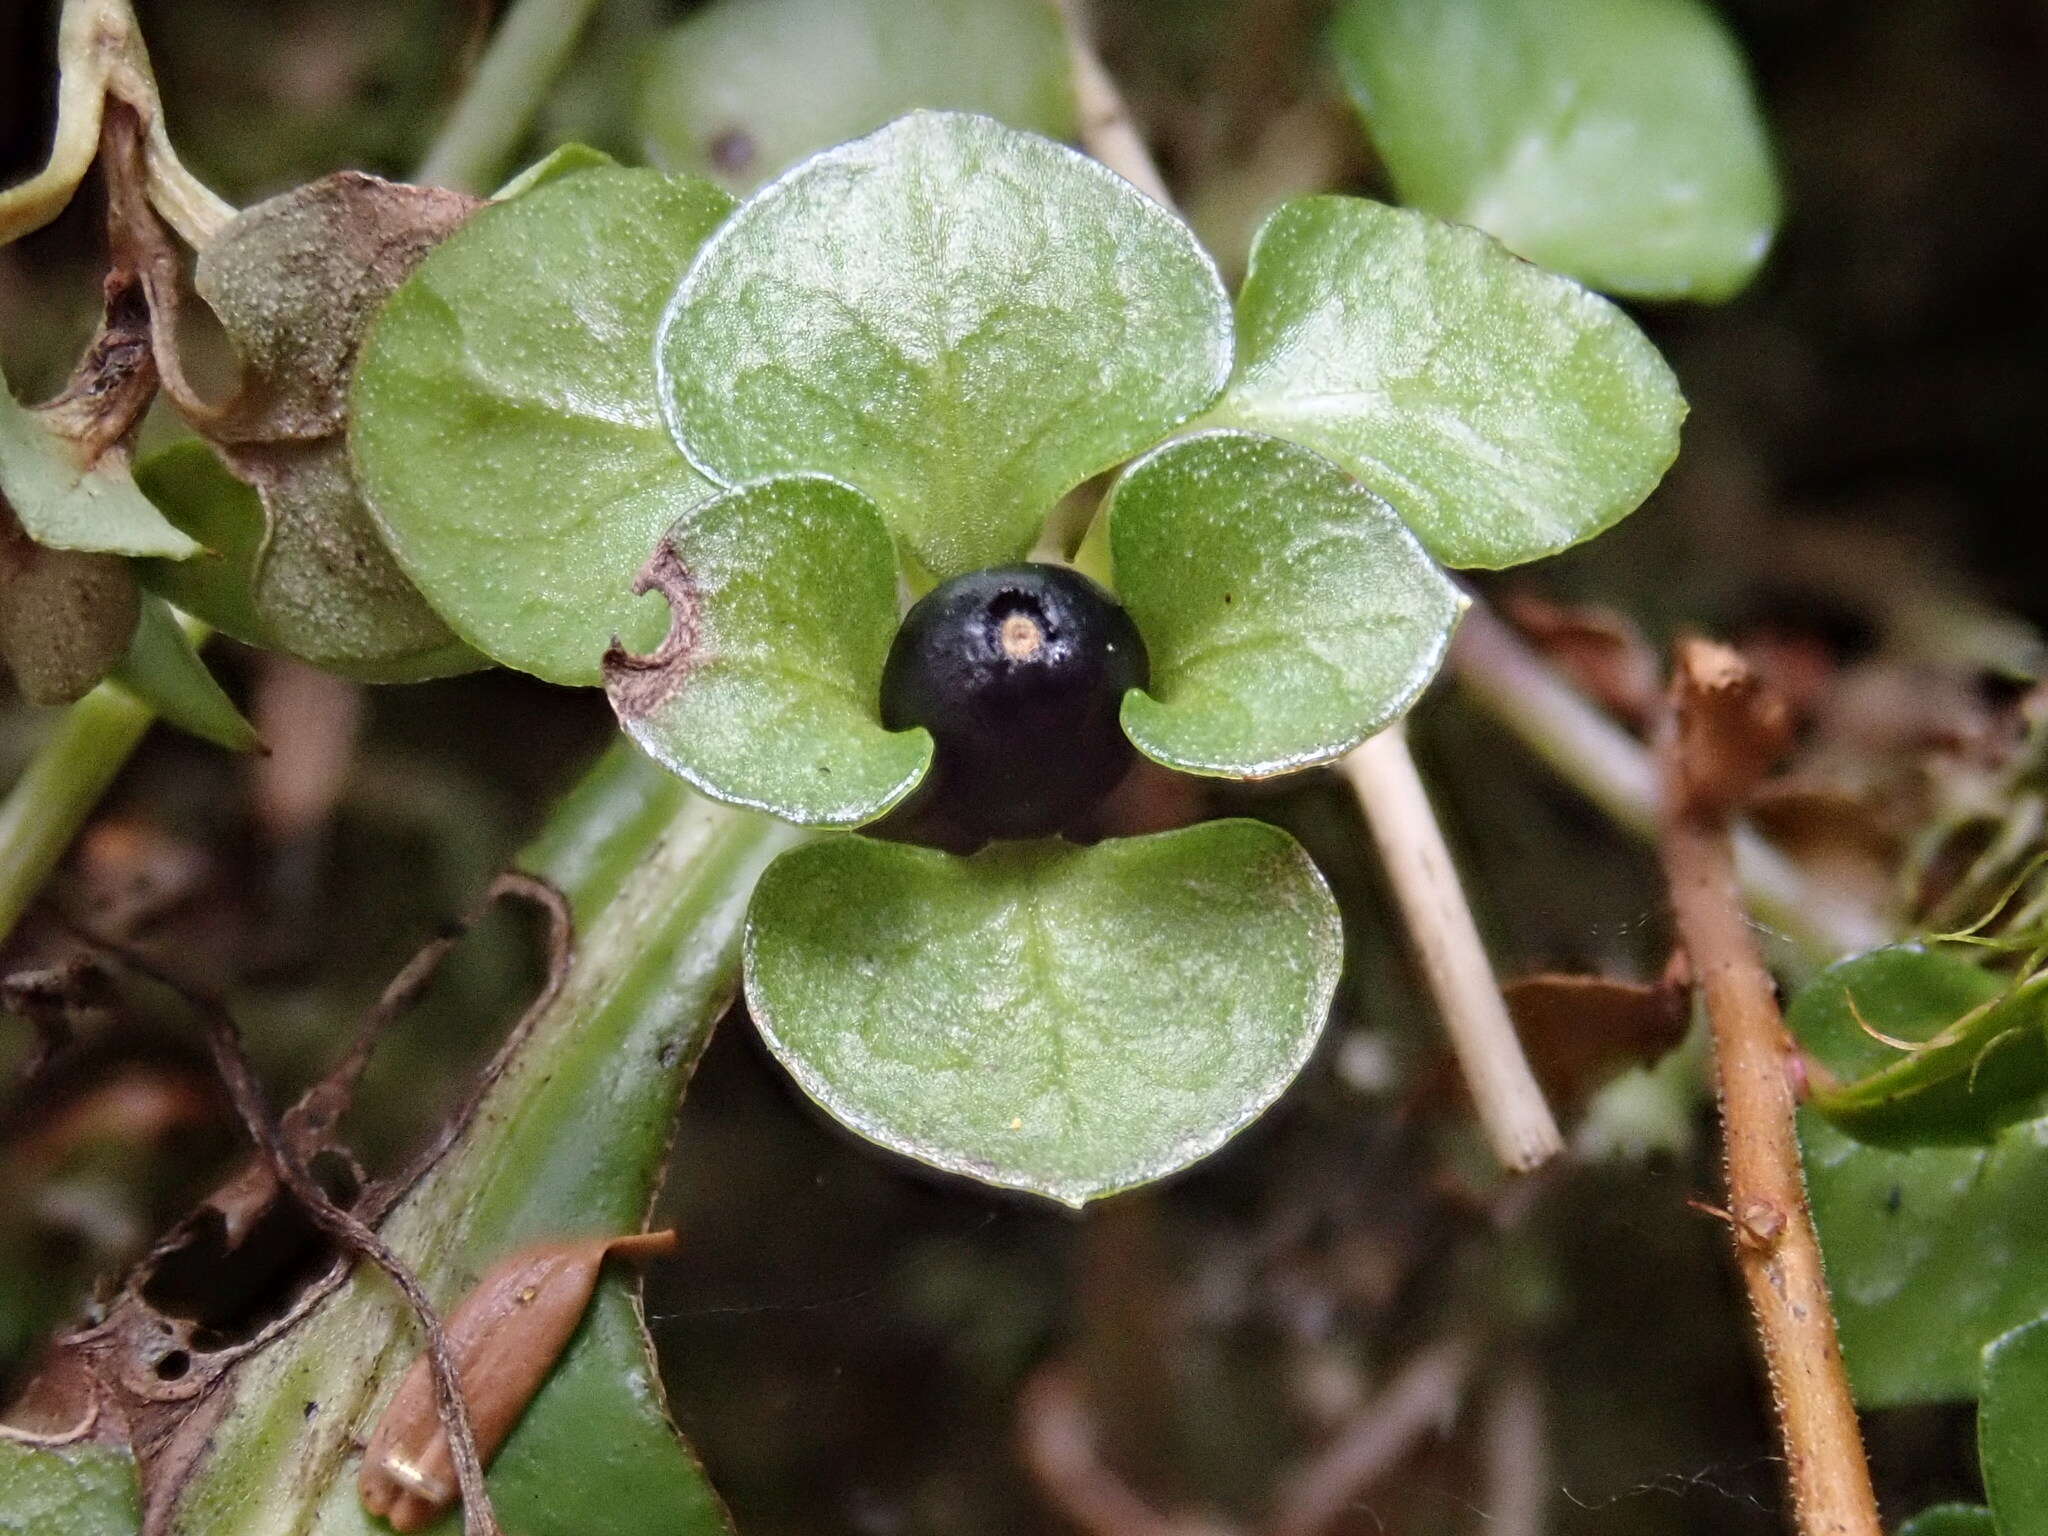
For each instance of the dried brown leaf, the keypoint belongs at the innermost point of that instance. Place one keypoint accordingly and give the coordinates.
(1599, 649)
(1580, 1031)
(295, 282)
(504, 1337)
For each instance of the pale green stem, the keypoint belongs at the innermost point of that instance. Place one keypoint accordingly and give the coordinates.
(529, 49)
(63, 782)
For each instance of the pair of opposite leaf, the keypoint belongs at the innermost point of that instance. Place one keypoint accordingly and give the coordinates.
(883, 372)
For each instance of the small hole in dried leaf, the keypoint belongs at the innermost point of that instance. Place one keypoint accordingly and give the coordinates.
(229, 1291)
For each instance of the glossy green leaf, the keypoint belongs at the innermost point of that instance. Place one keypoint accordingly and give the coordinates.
(961, 320)
(506, 429)
(76, 1490)
(2012, 1430)
(1907, 1234)
(767, 693)
(1068, 1021)
(62, 506)
(201, 495)
(164, 671)
(1618, 141)
(1985, 1068)
(1951, 1520)
(1504, 411)
(567, 1140)
(1288, 612)
(738, 90)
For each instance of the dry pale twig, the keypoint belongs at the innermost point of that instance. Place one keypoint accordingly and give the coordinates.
(1718, 721)
(1422, 1396)
(1056, 1439)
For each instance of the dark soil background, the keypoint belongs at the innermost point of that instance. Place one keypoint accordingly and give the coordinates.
(847, 1340)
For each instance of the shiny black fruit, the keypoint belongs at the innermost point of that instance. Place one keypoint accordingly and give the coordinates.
(1017, 671)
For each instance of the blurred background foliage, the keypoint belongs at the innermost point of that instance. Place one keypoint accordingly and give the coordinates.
(848, 1341)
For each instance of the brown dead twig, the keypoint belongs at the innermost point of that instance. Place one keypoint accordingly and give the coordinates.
(1721, 734)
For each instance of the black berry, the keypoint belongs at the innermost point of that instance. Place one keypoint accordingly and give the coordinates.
(1018, 672)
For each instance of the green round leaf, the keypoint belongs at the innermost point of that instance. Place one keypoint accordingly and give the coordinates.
(962, 320)
(739, 90)
(1506, 412)
(1907, 1234)
(1289, 613)
(505, 426)
(767, 692)
(2012, 1430)
(1068, 1021)
(1614, 140)
(200, 495)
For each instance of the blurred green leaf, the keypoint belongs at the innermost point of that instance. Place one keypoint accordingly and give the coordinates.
(961, 320)
(1988, 1070)
(1288, 612)
(1504, 411)
(80, 1490)
(2012, 1430)
(1951, 1520)
(506, 427)
(164, 671)
(1068, 1021)
(1910, 1236)
(1617, 141)
(768, 694)
(202, 496)
(740, 89)
(62, 506)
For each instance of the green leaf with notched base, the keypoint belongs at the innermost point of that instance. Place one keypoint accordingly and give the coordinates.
(2012, 1430)
(1068, 1021)
(767, 691)
(1504, 411)
(962, 320)
(505, 428)
(1614, 140)
(1907, 1235)
(1288, 612)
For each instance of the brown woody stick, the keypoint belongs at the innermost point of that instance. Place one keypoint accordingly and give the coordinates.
(1721, 735)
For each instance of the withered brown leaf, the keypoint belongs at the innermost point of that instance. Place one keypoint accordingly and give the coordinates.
(504, 1336)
